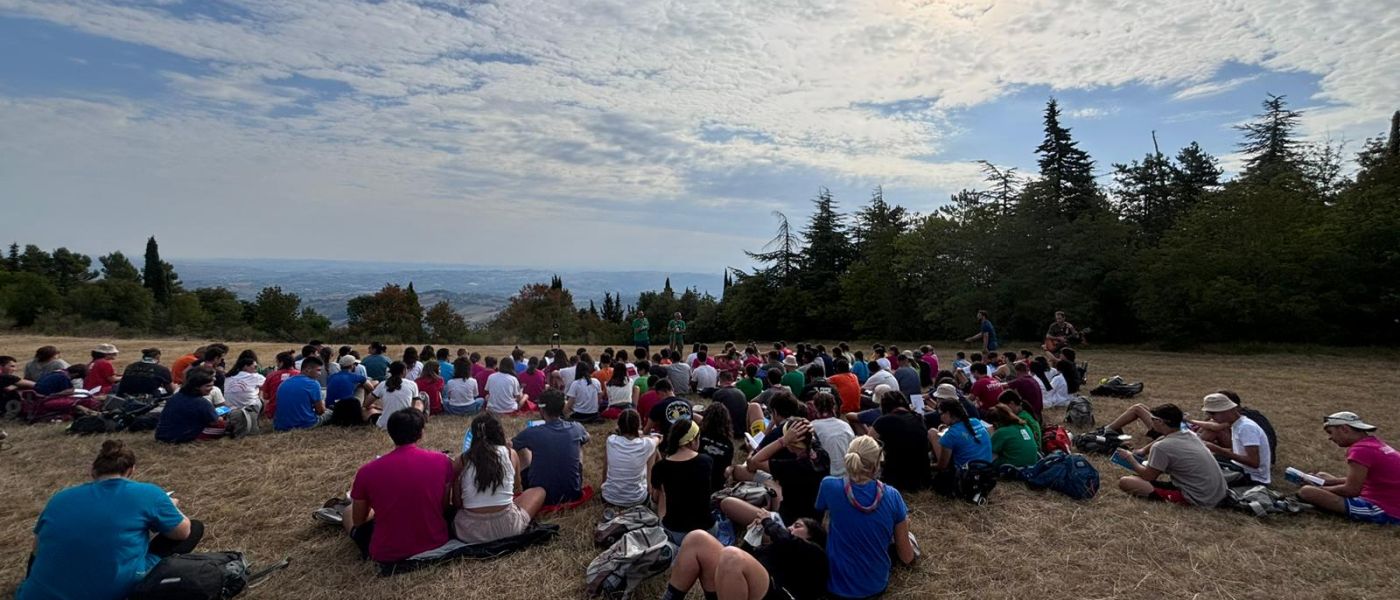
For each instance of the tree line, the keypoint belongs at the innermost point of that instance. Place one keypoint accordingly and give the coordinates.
(1292, 249)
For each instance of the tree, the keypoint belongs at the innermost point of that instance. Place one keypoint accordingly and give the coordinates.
(828, 255)
(12, 261)
(276, 313)
(157, 273)
(36, 261)
(1066, 171)
(126, 303)
(117, 266)
(24, 296)
(68, 269)
(391, 314)
(184, 313)
(222, 309)
(445, 325)
(1145, 191)
(873, 290)
(532, 315)
(1270, 144)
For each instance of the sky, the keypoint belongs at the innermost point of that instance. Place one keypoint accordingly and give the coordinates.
(613, 134)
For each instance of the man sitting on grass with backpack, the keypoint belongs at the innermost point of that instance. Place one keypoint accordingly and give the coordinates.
(1196, 478)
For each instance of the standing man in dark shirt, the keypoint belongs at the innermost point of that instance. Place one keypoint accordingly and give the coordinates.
(147, 376)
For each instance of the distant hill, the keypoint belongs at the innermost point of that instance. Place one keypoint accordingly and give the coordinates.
(477, 293)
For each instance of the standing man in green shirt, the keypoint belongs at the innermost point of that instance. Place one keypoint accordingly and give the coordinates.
(641, 331)
(677, 329)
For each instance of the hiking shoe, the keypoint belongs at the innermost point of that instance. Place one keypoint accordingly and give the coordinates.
(329, 516)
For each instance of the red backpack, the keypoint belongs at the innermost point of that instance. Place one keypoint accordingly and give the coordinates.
(1055, 438)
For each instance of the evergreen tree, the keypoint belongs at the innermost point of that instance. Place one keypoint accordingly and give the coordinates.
(116, 266)
(68, 269)
(1067, 171)
(828, 255)
(155, 275)
(35, 260)
(393, 314)
(277, 313)
(781, 255)
(1270, 143)
(1145, 191)
(445, 325)
(12, 261)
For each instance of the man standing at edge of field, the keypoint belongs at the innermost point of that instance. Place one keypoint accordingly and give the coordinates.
(677, 330)
(641, 331)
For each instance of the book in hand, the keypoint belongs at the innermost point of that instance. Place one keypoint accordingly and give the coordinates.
(1299, 477)
(753, 440)
(1118, 459)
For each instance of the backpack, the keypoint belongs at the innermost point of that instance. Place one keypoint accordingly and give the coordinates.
(1116, 387)
(243, 422)
(1261, 501)
(1055, 438)
(1080, 412)
(753, 493)
(616, 572)
(631, 519)
(1099, 441)
(89, 424)
(976, 480)
(200, 576)
(1068, 474)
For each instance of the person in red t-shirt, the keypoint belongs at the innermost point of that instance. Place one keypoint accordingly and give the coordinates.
(985, 389)
(102, 374)
(431, 383)
(286, 368)
(398, 501)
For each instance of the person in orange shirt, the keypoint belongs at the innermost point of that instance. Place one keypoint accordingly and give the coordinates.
(605, 369)
(847, 385)
(182, 364)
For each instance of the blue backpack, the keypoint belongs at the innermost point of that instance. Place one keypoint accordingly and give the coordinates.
(1068, 474)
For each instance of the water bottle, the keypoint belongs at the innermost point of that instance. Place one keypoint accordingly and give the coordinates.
(467, 441)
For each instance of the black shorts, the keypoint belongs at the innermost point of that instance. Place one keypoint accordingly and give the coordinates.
(361, 535)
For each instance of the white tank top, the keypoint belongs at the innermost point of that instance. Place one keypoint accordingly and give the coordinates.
(619, 395)
(499, 496)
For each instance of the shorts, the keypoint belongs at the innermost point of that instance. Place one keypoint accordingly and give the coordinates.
(475, 528)
(467, 409)
(1167, 492)
(1365, 511)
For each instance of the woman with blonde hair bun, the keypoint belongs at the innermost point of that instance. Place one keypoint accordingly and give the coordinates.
(866, 518)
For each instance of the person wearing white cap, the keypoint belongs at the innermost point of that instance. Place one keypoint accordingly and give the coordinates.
(1249, 445)
(102, 375)
(1370, 492)
(347, 384)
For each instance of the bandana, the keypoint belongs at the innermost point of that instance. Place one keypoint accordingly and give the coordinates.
(690, 435)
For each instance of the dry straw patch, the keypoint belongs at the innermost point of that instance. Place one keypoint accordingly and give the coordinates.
(256, 495)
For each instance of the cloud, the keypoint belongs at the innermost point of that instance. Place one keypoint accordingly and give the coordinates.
(1211, 88)
(593, 107)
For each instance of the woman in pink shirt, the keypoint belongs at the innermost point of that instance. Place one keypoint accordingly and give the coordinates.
(533, 379)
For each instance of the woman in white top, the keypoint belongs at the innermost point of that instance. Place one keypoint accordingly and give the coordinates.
(488, 476)
(627, 462)
(243, 389)
(395, 393)
(413, 368)
(1055, 394)
(583, 394)
(460, 397)
(620, 391)
(503, 391)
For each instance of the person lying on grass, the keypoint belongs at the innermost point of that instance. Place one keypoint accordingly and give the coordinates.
(398, 500)
(1196, 478)
(791, 563)
(865, 518)
(95, 540)
(1370, 492)
(488, 480)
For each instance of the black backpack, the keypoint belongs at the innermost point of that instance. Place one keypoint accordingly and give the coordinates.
(1268, 428)
(976, 481)
(1099, 441)
(199, 576)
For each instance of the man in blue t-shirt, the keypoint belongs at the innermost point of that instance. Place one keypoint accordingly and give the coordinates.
(553, 452)
(346, 382)
(986, 334)
(299, 401)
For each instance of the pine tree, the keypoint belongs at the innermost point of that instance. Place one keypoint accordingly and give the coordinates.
(12, 262)
(155, 276)
(782, 255)
(1067, 171)
(666, 289)
(116, 266)
(1269, 140)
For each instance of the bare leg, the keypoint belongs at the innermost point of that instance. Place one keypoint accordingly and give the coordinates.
(697, 560)
(1136, 486)
(739, 473)
(853, 419)
(740, 577)
(525, 458)
(740, 512)
(753, 415)
(1136, 412)
(531, 501)
(1323, 499)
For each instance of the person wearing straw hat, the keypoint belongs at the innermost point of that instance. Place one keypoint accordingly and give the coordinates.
(1370, 491)
(1249, 445)
(102, 374)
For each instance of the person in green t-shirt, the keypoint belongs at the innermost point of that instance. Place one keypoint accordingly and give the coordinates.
(641, 330)
(793, 379)
(1012, 399)
(1012, 443)
(677, 329)
(749, 383)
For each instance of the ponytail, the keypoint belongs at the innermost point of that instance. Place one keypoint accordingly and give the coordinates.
(113, 459)
(862, 458)
(956, 410)
(396, 373)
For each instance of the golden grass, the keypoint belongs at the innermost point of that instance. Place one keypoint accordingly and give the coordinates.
(256, 495)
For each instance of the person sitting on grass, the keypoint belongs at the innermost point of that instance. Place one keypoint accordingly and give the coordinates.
(346, 391)
(490, 502)
(431, 384)
(10, 383)
(1248, 444)
(1370, 491)
(94, 540)
(985, 389)
(461, 396)
(681, 483)
(1012, 400)
(865, 517)
(46, 360)
(146, 376)
(1196, 478)
(551, 454)
(398, 500)
(392, 395)
(906, 440)
(582, 395)
(619, 391)
(504, 394)
(1013, 443)
(627, 462)
(791, 564)
(102, 375)
(963, 440)
(188, 415)
(742, 413)
(299, 401)
(717, 443)
(793, 465)
(832, 431)
(665, 408)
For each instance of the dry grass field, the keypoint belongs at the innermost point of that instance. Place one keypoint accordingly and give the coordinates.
(256, 495)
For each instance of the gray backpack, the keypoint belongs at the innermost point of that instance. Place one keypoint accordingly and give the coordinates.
(640, 554)
(1080, 412)
(243, 422)
(1261, 501)
(753, 493)
(627, 520)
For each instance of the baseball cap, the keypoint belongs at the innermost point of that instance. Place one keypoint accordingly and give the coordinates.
(1348, 418)
(347, 361)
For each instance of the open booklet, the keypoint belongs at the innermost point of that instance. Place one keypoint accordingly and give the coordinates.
(1299, 477)
(753, 440)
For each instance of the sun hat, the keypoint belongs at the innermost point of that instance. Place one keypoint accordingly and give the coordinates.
(790, 361)
(1348, 418)
(105, 349)
(347, 361)
(946, 391)
(1215, 403)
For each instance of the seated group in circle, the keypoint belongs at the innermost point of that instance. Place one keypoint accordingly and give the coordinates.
(839, 473)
